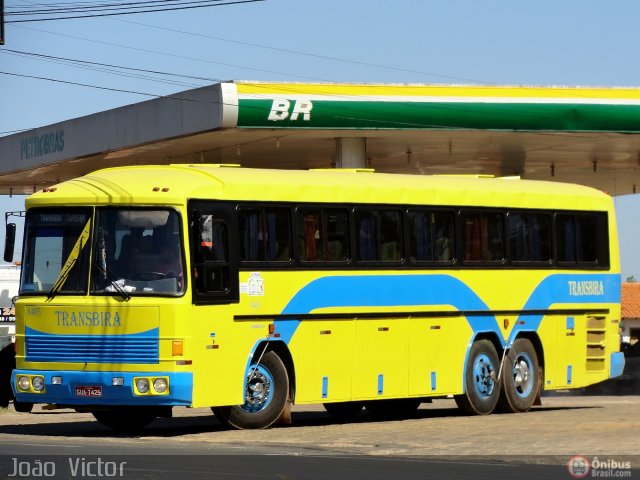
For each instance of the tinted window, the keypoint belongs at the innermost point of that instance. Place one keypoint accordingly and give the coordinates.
(322, 235)
(483, 237)
(139, 251)
(265, 234)
(431, 237)
(57, 245)
(576, 238)
(379, 235)
(529, 237)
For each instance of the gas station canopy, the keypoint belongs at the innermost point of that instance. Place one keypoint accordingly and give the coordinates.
(581, 135)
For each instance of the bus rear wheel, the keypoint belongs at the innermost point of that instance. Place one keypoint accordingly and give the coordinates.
(481, 387)
(520, 378)
(123, 420)
(266, 392)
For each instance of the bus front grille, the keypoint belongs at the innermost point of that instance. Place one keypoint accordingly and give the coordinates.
(92, 348)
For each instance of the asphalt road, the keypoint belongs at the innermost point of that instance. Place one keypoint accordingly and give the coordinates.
(438, 442)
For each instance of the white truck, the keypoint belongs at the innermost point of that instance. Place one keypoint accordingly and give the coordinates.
(9, 279)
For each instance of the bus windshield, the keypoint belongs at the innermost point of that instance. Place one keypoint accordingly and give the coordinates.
(56, 252)
(136, 251)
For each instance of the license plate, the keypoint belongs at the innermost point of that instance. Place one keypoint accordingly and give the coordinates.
(88, 391)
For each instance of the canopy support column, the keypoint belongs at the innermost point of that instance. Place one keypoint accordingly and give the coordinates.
(351, 152)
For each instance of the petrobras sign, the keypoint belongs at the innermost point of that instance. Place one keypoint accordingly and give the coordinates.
(41, 145)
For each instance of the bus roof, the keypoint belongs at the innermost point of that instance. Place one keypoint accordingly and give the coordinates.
(175, 184)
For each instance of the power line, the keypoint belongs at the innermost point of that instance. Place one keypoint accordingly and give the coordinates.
(159, 72)
(72, 17)
(313, 55)
(94, 86)
(271, 48)
(111, 69)
(174, 55)
(91, 7)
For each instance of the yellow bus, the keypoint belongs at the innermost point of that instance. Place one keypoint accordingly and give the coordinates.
(145, 288)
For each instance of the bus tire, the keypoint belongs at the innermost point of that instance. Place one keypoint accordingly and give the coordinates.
(481, 387)
(266, 394)
(22, 407)
(7, 364)
(123, 420)
(344, 411)
(520, 381)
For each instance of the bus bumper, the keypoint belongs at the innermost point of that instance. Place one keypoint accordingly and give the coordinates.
(103, 388)
(617, 364)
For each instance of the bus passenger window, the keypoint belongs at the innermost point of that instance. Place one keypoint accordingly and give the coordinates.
(367, 236)
(379, 235)
(265, 235)
(337, 229)
(431, 236)
(529, 237)
(322, 235)
(390, 236)
(309, 236)
(420, 244)
(484, 240)
(576, 238)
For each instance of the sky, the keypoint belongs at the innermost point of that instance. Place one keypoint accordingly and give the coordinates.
(547, 42)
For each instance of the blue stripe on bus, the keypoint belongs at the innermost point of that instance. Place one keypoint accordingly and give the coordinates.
(438, 289)
(386, 291)
(558, 289)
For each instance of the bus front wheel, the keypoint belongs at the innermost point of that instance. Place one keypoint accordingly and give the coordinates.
(520, 378)
(481, 387)
(266, 391)
(22, 407)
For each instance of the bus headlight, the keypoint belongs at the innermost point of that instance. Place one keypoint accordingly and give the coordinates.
(24, 383)
(160, 385)
(142, 385)
(38, 383)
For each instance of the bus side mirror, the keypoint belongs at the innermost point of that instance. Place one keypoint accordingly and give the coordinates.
(9, 242)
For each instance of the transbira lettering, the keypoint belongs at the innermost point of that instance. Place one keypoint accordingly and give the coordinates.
(88, 319)
(585, 287)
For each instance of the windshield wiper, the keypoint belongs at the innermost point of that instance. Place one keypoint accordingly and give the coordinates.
(71, 261)
(114, 283)
(101, 264)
